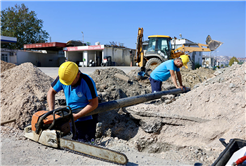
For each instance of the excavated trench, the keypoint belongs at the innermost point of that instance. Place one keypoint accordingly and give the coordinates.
(181, 127)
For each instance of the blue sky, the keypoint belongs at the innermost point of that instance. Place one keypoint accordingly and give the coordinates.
(118, 21)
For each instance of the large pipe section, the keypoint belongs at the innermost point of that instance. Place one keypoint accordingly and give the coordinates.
(129, 101)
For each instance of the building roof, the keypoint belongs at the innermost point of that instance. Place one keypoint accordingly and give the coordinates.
(6, 39)
(54, 46)
(84, 48)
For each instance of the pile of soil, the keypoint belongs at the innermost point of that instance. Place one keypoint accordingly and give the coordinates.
(5, 66)
(23, 92)
(196, 120)
(110, 87)
(191, 78)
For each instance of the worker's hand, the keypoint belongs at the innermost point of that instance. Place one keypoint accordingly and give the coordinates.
(182, 87)
(75, 117)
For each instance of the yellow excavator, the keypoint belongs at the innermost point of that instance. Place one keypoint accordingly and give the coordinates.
(159, 49)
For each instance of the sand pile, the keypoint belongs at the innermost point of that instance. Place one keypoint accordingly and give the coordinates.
(110, 87)
(214, 109)
(23, 92)
(6, 66)
(192, 77)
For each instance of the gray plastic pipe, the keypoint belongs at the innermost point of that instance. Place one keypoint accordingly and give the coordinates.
(129, 101)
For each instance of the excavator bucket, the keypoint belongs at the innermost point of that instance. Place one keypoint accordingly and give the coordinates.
(212, 44)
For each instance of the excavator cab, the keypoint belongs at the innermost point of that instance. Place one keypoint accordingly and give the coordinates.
(160, 46)
(158, 50)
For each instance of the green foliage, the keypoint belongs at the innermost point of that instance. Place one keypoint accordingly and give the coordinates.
(232, 60)
(18, 22)
(197, 65)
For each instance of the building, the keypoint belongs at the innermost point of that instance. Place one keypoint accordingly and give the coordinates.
(209, 61)
(84, 55)
(8, 55)
(43, 54)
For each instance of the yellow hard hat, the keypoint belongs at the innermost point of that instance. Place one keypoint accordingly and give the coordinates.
(67, 72)
(185, 59)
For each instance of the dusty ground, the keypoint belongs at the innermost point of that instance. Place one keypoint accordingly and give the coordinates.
(16, 150)
(174, 130)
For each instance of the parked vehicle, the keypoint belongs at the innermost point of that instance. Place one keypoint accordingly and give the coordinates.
(107, 61)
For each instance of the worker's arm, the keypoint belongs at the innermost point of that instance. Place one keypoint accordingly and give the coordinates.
(93, 103)
(180, 80)
(173, 76)
(179, 77)
(51, 98)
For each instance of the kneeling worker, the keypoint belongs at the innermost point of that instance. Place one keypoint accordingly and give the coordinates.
(167, 69)
(80, 92)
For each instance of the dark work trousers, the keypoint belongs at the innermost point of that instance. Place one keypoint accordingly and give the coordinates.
(155, 85)
(85, 130)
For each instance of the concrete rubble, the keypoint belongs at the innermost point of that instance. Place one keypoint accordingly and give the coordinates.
(184, 127)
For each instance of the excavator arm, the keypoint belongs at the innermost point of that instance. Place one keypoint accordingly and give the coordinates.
(139, 57)
(210, 45)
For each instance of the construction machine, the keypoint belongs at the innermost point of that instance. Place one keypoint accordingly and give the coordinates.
(52, 128)
(159, 49)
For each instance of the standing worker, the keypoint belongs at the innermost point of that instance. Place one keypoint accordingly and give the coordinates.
(167, 69)
(80, 92)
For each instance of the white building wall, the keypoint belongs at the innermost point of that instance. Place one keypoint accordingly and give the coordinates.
(37, 59)
(85, 58)
(121, 56)
(126, 57)
(118, 57)
(75, 56)
(13, 58)
(8, 55)
(108, 52)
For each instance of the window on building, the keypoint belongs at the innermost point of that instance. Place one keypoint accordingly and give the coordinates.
(4, 57)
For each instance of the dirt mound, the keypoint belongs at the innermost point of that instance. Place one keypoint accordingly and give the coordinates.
(23, 92)
(111, 87)
(213, 109)
(191, 78)
(5, 66)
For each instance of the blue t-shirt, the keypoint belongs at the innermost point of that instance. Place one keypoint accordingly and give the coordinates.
(78, 96)
(162, 72)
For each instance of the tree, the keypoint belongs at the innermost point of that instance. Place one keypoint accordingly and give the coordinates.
(24, 25)
(232, 60)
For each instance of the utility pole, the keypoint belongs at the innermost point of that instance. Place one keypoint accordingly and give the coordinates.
(82, 37)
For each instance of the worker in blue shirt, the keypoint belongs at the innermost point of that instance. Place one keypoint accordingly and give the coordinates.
(80, 93)
(167, 69)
